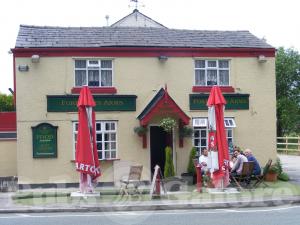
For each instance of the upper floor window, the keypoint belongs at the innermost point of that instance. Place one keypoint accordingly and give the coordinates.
(211, 72)
(94, 73)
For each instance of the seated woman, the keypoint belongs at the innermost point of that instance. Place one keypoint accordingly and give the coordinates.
(238, 164)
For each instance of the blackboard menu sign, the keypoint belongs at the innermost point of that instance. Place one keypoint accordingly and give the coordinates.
(44, 140)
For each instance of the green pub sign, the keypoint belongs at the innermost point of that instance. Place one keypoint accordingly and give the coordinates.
(68, 103)
(44, 140)
(234, 101)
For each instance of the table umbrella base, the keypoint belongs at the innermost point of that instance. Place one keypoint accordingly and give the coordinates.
(78, 194)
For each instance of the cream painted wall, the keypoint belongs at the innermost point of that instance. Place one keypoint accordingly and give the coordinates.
(8, 158)
(256, 127)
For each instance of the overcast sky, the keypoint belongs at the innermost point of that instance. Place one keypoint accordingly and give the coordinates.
(277, 21)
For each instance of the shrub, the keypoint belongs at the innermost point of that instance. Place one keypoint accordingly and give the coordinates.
(191, 167)
(169, 166)
(283, 176)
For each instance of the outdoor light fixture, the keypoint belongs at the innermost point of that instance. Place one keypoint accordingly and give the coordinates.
(23, 68)
(35, 58)
(162, 58)
(262, 59)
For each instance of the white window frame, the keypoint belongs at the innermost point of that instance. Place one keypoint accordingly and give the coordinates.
(206, 68)
(201, 123)
(98, 66)
(101, 132)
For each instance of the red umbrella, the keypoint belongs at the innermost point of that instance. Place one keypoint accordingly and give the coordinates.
(87, 162)
(217, 142)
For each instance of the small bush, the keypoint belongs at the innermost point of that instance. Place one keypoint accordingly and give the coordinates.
(283, 176)
(169, 166)
(191, 167)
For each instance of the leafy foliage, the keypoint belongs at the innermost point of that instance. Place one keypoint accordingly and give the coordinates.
(6, 103)
(168, 124)
(191, 167)
(169, 166)
(288, 91)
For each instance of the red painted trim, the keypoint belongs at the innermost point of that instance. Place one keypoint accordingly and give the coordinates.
(180, 138)
(165, 106)
(144, 141)
(96, 90)
(14, 77)
(144, 52)
(227, 89)
(8, 122)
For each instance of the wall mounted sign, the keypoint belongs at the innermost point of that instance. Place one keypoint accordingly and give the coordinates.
(68, 103)
(44, 140)
(234, 101)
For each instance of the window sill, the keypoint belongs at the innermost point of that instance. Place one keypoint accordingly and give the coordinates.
(96, 90)
(101, 160)
(224, 89)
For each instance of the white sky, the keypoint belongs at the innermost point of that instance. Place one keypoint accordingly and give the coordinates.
(276, 20)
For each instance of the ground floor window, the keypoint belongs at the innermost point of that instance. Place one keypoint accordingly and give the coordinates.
(200, 126)
(106, 139)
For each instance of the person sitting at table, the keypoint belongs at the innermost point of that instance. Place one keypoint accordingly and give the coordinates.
(203, 161)
(250, 157)
(238, 164)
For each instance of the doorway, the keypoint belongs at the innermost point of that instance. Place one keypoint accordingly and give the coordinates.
(159, 140)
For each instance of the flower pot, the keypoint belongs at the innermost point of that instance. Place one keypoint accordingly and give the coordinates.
(271, 177)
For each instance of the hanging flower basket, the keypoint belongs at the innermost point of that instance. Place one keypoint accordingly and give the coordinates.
(168, 124)
(186, 132)
(140, 130)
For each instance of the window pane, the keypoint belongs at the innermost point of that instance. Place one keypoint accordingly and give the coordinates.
(93, 63)
(203, 142)
(100, 155)
(99, 146)
(223, 64)
(224, 77)
(113, 154)
(112, 126)
(107, 155)
(98, 126)
(80, 63)
(99, 137)
(106, 146)
(80, 77)
(113, 137)
(200, 64)
(196, 133)
(94, 78)
(107, 126)
(113, 145)
(203, 133)
(106, 137)
(76, 126)
(106, 64)
(211, 63)
(200, 77)
(196, 142)
(106, 78)
(211, 77)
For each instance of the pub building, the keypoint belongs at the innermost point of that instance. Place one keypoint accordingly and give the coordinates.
(139, 72)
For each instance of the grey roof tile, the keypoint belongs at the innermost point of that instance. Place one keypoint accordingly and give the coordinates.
(60, 37)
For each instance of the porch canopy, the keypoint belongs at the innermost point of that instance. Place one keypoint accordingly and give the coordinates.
(162, 105)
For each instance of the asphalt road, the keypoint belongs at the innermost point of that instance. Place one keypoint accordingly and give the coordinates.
(287, 215)
(291, 165)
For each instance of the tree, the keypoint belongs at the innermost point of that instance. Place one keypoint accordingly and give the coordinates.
(6, 103)
(288, 91)
(169, 166)
(191, 167)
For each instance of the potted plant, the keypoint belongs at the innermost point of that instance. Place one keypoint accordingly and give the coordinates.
(140, 130)
(189, 177)
(207, 181)
(186, 132)
(272, 174)
(168, 124)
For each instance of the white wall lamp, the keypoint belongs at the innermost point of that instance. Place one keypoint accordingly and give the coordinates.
(35, 58)
(262, 59)
(162, 58)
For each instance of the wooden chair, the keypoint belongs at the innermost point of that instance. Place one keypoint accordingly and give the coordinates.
(243, 180)
(260, 178)
(133, 179)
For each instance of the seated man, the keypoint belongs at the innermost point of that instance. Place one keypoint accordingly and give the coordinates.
(250, 157)
(238, 164)
(203, 161)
